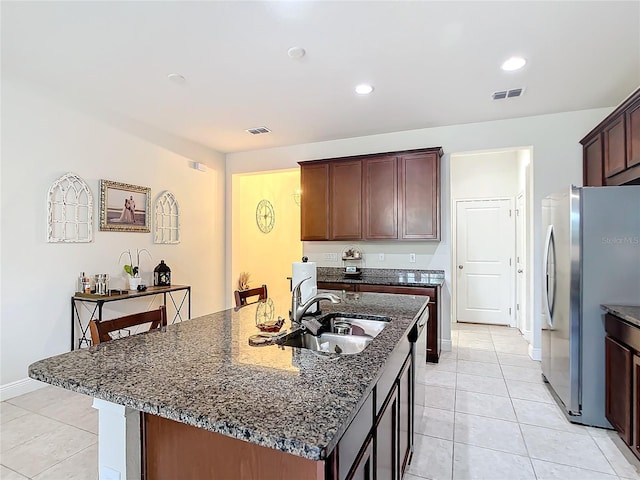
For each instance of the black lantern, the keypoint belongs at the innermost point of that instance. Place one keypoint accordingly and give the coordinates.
(162, 275)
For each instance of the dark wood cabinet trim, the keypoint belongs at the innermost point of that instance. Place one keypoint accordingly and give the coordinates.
(614, 147)
(632, 116)
(619, 134)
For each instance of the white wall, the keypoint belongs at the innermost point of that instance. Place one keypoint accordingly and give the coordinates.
(484, 175)
(43, 138)
(557, 162)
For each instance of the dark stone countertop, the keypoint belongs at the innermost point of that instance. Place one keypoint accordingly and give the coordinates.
(379, 276)
(629, 313)
(203, 372)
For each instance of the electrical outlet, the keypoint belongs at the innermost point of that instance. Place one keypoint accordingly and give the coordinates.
(331, 257)
(412, 258)
(381, 257)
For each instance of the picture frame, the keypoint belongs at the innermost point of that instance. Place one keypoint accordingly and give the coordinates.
(116, 214)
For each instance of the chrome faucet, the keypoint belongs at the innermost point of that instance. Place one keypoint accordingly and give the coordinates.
(298, 309)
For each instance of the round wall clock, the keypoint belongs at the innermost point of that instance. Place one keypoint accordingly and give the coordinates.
(265, 216)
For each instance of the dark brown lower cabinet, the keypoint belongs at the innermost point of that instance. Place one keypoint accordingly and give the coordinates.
(635, 446)
(618, 361)
(622, 380)
(405, 416)
(386, 439)
(363, 468)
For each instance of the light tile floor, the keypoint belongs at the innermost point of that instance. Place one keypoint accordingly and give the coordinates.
(483, 413)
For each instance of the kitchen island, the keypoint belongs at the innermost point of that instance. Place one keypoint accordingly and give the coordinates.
(292, 403)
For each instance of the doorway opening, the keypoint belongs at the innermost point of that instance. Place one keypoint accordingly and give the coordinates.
(265, 249)
(491, 228)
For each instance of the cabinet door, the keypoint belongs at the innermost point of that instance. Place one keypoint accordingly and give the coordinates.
(614, 147)
(592, 162)
(386, 445)
(419, 186)
(636, 406)
(314, 201)
(381, 197)
(618, 378)
(363, 468)
(346, 200)
(405, 416)
(633, 135)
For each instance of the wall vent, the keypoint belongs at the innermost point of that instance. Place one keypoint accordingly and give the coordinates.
(514, 92)
(258, 130)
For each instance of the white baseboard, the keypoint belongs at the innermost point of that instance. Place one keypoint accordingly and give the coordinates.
(445, 345)
(535, 353)
(19, 387)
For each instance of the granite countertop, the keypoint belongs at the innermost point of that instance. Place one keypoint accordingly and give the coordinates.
(379, 276)
(203, 372)
(630, 313)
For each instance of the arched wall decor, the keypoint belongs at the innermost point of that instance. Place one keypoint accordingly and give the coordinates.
(167, 219)
(70, 211)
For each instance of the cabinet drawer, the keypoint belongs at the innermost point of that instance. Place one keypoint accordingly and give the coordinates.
(348, 287)
(622, 331)
(425, 291)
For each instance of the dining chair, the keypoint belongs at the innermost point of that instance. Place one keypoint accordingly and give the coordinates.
(100, 330)
(242, 295)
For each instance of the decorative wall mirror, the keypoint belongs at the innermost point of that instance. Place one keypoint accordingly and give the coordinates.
(70, 210)
(167, 221)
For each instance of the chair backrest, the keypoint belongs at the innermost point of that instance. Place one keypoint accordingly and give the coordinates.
(242, 295)
(100, 330)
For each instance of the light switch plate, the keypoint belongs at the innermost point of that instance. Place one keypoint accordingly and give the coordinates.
(412, 258)
(331, 257)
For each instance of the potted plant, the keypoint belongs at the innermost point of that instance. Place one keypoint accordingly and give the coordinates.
(133, 269)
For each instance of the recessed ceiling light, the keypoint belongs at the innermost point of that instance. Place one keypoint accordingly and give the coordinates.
(513, 63)
(296, 52)
(364, 89)
(176, 78)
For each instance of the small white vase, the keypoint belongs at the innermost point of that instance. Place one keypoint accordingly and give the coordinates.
(133, 283)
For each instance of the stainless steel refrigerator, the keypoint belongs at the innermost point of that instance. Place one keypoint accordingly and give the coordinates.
(591, 256)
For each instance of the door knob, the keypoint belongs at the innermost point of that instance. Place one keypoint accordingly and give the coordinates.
(460, 267)
(519, 270)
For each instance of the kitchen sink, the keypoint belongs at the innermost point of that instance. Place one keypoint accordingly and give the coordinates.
(341, 333)
(354, 325)
(329, 342)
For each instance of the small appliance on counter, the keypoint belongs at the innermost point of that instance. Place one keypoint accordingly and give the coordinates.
(352, 260)
(300, 271)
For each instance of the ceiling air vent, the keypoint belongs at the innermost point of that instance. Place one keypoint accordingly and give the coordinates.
(514, 92)
(258, 130)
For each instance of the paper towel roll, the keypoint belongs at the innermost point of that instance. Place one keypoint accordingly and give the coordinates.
(308, 289)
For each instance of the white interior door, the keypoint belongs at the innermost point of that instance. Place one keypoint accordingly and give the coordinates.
(484, 254)
(520, 265)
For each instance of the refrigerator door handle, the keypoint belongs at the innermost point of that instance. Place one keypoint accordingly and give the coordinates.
(545, 291)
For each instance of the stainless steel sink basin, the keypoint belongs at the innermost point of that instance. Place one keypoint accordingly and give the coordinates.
(341, 333)
(329, 342)
(350, 324)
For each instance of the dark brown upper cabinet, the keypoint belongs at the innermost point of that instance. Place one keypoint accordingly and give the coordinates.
(420, 196)
(314, 205)
(381, 197)
(611, 151)
(345, 205)
(386, 196)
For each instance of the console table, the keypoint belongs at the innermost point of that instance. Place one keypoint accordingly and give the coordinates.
(119, 295)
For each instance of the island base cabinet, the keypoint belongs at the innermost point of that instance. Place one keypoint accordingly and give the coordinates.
(618, 387)
(174, 450)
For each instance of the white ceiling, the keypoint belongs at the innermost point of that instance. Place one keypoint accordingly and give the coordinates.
(431, 63)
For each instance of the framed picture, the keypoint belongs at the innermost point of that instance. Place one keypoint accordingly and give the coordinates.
(124, 207)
